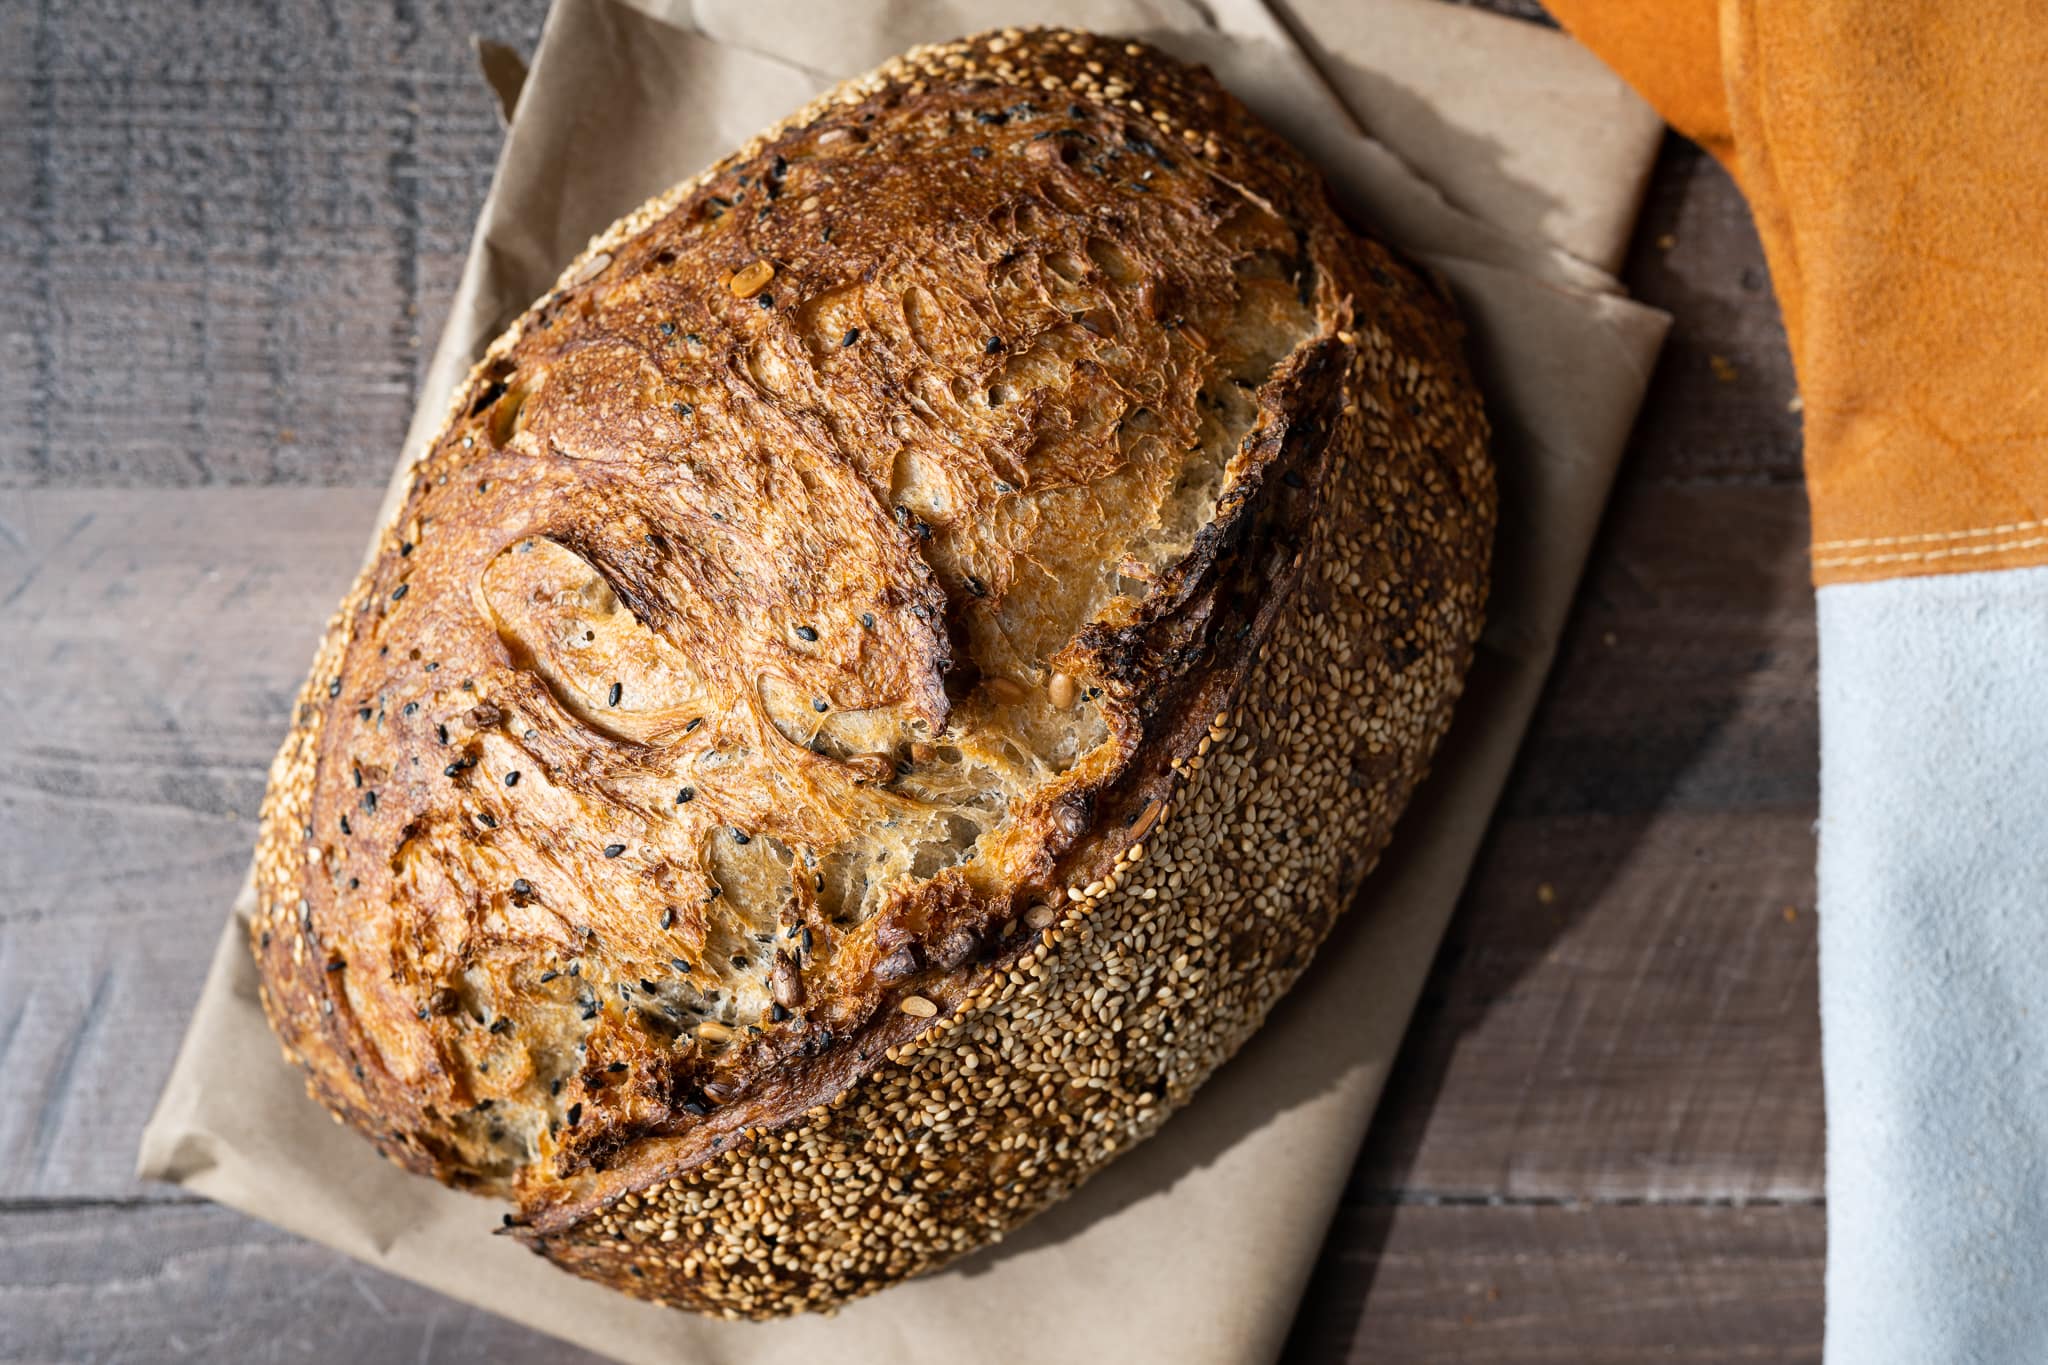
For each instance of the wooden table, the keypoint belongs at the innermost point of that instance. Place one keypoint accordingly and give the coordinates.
(225, 240)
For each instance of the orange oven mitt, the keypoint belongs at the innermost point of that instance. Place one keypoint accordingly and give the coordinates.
(1895, 154)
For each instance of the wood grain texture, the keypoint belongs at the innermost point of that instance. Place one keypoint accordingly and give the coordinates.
(1584, 1285)
(228, 232)
(1580, 1284)
(160, 635)
(191, 1281)
(226, 235)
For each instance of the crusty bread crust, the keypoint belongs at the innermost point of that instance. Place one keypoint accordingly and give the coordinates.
(885, 675)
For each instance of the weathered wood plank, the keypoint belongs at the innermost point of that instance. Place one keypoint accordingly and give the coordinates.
(1721, 404)
(1587, 1285)
(158, 637)
(1572, 1285)
(228, 233)
(198, 1282)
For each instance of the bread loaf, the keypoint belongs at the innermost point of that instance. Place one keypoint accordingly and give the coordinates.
(884, 676)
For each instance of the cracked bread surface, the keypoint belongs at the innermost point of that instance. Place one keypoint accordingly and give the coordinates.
(886, 673)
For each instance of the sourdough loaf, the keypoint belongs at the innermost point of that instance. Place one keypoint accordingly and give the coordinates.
(884, 676)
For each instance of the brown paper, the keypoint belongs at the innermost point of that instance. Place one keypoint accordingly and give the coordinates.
(1506, 159)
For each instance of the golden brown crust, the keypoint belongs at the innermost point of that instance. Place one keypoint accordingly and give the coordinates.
(882, 441)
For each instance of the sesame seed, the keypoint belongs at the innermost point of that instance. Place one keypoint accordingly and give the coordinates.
(512, 778)
(852, 336)
(917, 1006)
(686, 795)
(740, 836)
(614, 850)
(618, 690)
(806, 633)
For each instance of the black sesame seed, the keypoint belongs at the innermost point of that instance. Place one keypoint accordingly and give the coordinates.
(334, 688)
(1076, 111)
(867, 619)
(806, 633)
(820, 704)
(807, 938)
(512, 778)
(766, 300)
(679, 965)
(740, 837)
(668, 329)
(614, 850)
(353, 883)
(434, 666)
(344, 826)
(852, 336)
(488, 820)
(521, 887)
(616, 1067)
(589, 1009)
(441, 733)
(409, 708)
(992, 345)
(548, 976)
(777, 1013)
(687, 794)
(404, 548)
(648, 986)
(976, 586)
(398, 593)
(370, 802)
(668, 917)
(693, 725)
(357, 775)
(618, 690)
(336, 965)
(714, 893)
(555, 1086)
(978, 153)
(453, 769)
(575, 1114)
(684, 409)
(575, 969)
(501, 1025)
(991, 118)
(739, 960)
(695, 1108)
(362, 713)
